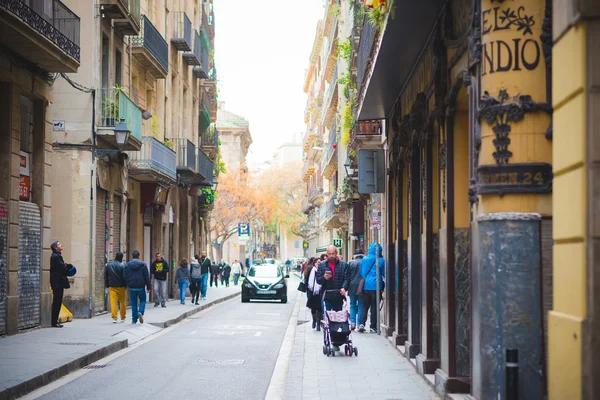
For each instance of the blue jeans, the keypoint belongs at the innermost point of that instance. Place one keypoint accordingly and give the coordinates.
(355, 308)
(236, 277)
(204, 285)
(134, 296)
(182, 288)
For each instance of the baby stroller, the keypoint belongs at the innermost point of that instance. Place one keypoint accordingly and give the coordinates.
(336, 327)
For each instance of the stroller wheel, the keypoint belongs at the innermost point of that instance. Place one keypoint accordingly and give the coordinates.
(356, 351)
(350, 351)
(346, 350)
(328, 352)
(324, 350)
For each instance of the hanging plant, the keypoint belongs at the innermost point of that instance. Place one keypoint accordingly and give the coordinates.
(209, 196)
(377, 13)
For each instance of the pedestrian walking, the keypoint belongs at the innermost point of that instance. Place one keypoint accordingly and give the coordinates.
(222, 265)
(332, 274)
(183, 279)
(368, 271)
(215, 273)
(159, 270)
(137, 279)
(59, 281)
(313, 293)
(236, 271)
(196, 275)
(226, 274)
(114, 281)
(205, 269)
(354, 280)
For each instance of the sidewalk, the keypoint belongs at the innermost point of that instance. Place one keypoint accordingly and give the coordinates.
(33, 359)
(379, 372)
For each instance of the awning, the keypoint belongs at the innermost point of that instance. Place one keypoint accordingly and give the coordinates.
(404, 39)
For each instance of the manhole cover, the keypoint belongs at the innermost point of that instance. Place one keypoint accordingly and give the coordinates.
(98, 366)
(300, 322)
(75, 344)
(221, 362)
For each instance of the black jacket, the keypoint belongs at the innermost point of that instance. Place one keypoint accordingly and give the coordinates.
(340, 278)
(113, 274)
(354, 275)
(215, 269)
(226, 271)
(205, 266)
(159, 269)
(136, 274)
(58, 272)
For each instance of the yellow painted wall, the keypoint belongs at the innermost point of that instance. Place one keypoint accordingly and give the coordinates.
(569, 211)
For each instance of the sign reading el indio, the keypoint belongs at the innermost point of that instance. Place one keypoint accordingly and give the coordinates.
(511, 36)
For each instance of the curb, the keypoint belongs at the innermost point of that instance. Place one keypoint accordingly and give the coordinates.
(37, 382)
(188, 314)
(278, 382)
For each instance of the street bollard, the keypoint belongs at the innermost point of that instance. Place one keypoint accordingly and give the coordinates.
(512, 374)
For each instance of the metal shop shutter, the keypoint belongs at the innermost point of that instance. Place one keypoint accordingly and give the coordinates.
(30, 254)
(3, 263)
(116, 225)
(100, 253)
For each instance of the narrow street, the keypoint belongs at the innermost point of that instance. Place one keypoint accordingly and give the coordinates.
(226, 352)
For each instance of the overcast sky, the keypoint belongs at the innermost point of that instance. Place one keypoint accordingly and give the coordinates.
(261, 53)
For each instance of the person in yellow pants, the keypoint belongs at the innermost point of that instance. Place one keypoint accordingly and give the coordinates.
(113, 279)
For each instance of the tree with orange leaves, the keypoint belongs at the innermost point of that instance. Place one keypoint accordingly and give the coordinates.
(237, 200)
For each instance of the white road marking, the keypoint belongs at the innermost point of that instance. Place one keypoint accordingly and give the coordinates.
(267, 313)
(229, 333)
(193, 332)
(258, 334)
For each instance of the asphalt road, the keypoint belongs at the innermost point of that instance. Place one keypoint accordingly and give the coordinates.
(226, 352)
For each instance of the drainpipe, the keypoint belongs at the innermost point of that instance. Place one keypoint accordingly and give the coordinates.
(92, 168)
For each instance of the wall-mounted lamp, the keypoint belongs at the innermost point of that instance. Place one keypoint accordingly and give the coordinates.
(349, 170)
(121, 134)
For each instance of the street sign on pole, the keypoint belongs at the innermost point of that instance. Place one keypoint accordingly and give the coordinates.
(371, 171)
(305, 245)
(338, 243)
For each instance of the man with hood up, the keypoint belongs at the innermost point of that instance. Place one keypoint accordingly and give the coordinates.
(137, 277)
(354, 280)
(368, 270)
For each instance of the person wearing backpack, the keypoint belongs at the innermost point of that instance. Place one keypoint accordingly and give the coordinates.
(368, 272)
(196, 275)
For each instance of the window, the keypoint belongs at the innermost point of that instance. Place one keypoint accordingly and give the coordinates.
(296, 244)
(118, 68)
(26, 125)
(104, 61)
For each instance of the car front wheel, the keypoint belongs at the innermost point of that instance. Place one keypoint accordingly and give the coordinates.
(284, 300)
(245, 300)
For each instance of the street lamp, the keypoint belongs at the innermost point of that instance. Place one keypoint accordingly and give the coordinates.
(214, 185)
(349, 170)
(335, 200)
(121, 134)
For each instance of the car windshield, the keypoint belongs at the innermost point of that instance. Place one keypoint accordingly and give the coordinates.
(265, 271)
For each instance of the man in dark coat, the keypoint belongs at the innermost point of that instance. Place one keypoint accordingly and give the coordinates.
(159, 270)
(332, 274)
(113, 279)
(137, 277)
(58, 280)
(205, 267)
(215, 271)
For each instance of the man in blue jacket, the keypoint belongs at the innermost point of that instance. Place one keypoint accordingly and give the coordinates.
(137, 277)
(368, 270)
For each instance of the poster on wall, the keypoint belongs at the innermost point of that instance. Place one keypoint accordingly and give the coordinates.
(25, 178)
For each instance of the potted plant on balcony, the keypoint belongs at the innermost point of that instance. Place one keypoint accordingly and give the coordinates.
(110, 106)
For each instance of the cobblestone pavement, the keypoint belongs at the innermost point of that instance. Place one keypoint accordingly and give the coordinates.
(379, 372)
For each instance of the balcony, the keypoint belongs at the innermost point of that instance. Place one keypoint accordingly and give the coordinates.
(210, 22)
(331, 155)
(205, 168)
(308, 169)
(210, 104)
(46, 33)
(151, 50)
(316, 196)
(125, 15)
(154, 163)
(306, 206)
(367, 37)
(209, 140)
(182, 32)
(199, 56)
(211, 82)
(329, 16)
(186, 157)
(331, 52)
(114, 105)
(331, 99)
(368, 134)
(335, 217)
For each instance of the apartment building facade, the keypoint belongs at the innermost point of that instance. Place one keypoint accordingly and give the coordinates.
(38, 40)
(148, 71)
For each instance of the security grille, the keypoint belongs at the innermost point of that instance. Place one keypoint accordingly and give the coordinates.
(116, 225)
(100, 253)
(30, 252)
(3, 263)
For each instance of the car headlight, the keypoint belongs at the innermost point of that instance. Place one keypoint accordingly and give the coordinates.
(248, 284)
(278, 286)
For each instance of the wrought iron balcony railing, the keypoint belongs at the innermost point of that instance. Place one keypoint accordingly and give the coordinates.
(154, 158)
(186, 156)
(114, 106)
(51, 19)
(182, 32)
(194, 57)
(125, 15)
(151, 50)
(367, 36)
(333, 84)
(205, 167)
